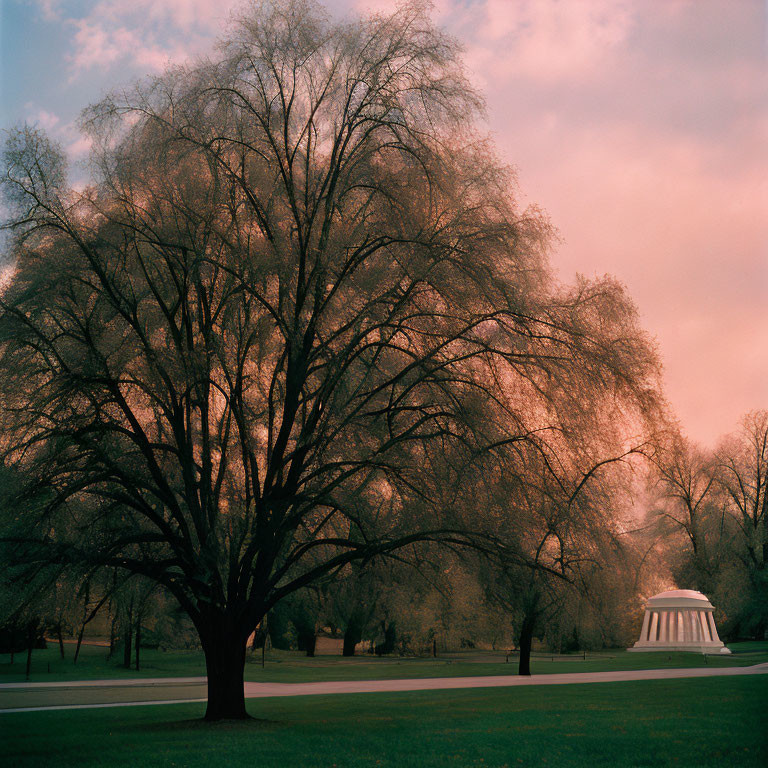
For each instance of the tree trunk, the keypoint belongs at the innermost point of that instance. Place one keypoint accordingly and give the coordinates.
(86, 598)
(138, 643)
(128, 635)
(61, 639)
(526, 641)
(225, 663)
(352, 636)
(112, 635)
(128, 638)
(79, 643)
(31, 640)
(306, 639)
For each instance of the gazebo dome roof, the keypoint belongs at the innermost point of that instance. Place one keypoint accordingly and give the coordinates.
(691, 594)
(679, 598)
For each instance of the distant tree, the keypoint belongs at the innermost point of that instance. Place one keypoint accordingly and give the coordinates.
(296, 296)
(742, 474)
(716, 501)
(564, 528)
(352, 600)
(558, 501)
(690, 503)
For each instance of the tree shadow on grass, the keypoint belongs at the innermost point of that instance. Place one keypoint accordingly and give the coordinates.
(199, 725)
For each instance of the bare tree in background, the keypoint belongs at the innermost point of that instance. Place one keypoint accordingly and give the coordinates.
(296, 296)
(690, 504)
(742, 473)
(559, 521)
(717, 501)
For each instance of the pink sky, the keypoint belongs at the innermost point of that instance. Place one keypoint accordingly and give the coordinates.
(640, 126)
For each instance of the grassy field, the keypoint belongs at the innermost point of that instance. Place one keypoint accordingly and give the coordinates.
(290, 667)
(704, 723)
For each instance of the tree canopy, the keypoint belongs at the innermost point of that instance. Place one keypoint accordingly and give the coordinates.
(297, 300)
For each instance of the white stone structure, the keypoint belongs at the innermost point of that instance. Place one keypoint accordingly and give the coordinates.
(679, 620)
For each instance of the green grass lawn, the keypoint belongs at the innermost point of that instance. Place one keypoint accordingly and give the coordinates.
(704, 723)
(293, 667)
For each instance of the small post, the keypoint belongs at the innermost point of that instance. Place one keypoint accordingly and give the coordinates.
(264, 642)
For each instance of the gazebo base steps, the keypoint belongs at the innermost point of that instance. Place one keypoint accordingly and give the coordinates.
(656, 647)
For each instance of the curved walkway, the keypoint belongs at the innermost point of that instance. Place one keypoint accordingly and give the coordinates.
(86, 694)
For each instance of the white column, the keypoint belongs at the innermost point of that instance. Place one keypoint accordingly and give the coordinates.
(663, 619)
(704, 627)
(712, 627)
(652, 634)
(688, 635)
(644, 630)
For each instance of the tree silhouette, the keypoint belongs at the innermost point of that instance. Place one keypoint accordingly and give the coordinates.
(296, 297)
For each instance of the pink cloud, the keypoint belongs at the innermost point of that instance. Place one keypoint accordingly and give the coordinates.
(95, 46)
(144, 34)
(48, 121)
(548, 39)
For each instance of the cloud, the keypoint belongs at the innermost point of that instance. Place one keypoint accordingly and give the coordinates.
(644, 137)
(143, 35)
(550, 39)
(641, 128)
(66, 134)
(79, 147)
(48, 121)
(50, 9)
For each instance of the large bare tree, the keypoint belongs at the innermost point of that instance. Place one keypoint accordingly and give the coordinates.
(296, 296)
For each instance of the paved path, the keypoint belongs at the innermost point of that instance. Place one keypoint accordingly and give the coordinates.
(86, 694)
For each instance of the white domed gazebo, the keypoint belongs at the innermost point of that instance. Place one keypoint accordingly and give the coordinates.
(679, 620)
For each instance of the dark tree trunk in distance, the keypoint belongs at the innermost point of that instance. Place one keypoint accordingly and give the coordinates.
(31, 640)
(127, 642)
(83, 622)
(307, 641)
(79, 643)
(60, 639)
(138, 643)
(128, 635)
(112, 636)
(390, 637)
(526, 641)
(352, 636)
